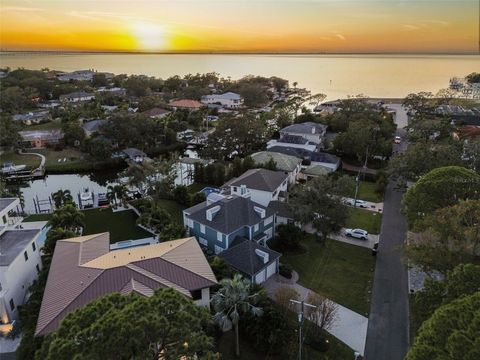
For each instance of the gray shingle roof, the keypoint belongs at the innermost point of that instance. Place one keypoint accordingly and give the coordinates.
(13, 242)
(243, 258)
(260, 179)
(132, 152)
(280, 208)
(235, 212)
(283, 162)
(314, 156)
(94, 125)
(305, 128)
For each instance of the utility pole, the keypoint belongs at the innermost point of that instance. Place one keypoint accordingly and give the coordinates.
(301, 319)
(357, 179)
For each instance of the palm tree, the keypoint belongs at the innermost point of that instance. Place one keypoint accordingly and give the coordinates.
(117, 194)
(62, 197)
(111, 195)
(232, 299)
(68, 218)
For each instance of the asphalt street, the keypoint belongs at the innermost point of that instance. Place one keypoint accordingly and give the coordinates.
(388, 323)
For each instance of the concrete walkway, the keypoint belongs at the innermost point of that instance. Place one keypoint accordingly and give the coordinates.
(349, 327)
(42, 158)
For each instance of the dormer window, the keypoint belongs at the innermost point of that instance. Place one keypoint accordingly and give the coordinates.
(259, 211)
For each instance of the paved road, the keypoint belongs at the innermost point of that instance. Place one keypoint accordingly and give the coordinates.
(388, 325)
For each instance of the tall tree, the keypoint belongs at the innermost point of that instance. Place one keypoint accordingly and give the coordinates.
(67, 217)
(166, 325)
(62, 198)
(439, 188)
(320, 202)
(233, 299)
(53, 235)
(452, 333)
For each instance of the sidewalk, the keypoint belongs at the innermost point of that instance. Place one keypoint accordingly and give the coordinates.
(349, 327)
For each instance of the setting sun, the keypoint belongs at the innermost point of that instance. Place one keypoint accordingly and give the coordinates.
(150, 37)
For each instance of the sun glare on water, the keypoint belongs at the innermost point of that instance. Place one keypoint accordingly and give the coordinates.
(150, 37)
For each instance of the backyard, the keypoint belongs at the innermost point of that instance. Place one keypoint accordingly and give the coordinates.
(339, 271)
(366, 192)
(121, 225)
(370, 221)
(31, 161)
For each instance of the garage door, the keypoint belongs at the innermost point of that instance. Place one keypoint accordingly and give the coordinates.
(271, 269)
(260, 277)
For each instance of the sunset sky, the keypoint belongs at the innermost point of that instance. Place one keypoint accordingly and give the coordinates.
(353, 26)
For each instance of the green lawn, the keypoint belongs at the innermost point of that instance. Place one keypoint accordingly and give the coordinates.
(44, 126)
(366, 191)
(174, 209)
(72, 155)
(370, 221)
(121, 225)
(31, 161)
(339, 271)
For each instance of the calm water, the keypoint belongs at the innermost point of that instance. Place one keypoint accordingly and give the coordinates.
(337, 76)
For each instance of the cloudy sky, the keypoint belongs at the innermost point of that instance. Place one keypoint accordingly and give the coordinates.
(346, 26)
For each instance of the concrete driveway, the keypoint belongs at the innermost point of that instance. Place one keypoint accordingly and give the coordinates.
(372, 239)
(371, 206)
(349, 327)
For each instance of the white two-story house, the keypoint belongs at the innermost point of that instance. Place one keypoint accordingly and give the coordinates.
(312, 132)
(20, 261)
(228, 100)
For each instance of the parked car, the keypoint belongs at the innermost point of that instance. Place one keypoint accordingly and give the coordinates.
(357, 233)
(375, 249)
(398, 140)
(359, 203)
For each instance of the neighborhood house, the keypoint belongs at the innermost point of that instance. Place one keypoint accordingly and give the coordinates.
(77, 97)
(227, 100)
(41, 138)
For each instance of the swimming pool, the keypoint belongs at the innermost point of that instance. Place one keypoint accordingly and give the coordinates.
(208, 190)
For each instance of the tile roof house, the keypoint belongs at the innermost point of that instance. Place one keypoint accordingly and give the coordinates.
(257, 263)
(286, 163)
(84, 269)
(219, 220)
(157, 112)
(185, 104)
(260, 185)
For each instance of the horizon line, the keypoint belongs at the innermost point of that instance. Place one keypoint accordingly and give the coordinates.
(233, 52)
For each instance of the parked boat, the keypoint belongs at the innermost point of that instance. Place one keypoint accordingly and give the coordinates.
(9, 167)
(87, 198)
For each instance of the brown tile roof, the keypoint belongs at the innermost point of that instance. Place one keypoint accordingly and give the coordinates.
(186, 103)
(84, 269)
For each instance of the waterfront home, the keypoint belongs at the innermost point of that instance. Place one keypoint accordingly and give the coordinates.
(260, 185)
(185, 104)
(157, 113)
(255, 262)
(329, 161)
(33, 117)
(216, 223)
(41, 138)
(77, 96)
(286, 163)
(82, 75)
(135, 155)
(20, 261)
(84, 269)
(228, 100)
(310, 131)
(93, 126)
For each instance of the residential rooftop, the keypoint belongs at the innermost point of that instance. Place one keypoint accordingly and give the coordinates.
(259, 179)
(305, 128)
(84, 269)
(6, 202)
(13, 243)
(283, 162)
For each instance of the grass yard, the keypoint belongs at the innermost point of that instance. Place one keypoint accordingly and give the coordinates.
(121, 225)
(340, 271)
(174, 209)
(366, 191)
(31, 161)
(364, 219)
(44, 126)
(72, 155)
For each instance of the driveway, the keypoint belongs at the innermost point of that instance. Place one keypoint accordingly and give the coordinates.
(372, 206)
(372, 239)
(349, 327)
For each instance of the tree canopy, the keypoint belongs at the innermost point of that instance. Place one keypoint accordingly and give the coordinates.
(439, 188)
(132, 327)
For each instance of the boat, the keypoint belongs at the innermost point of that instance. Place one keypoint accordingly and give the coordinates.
(9, 167)
(102, 199)
(86, 198)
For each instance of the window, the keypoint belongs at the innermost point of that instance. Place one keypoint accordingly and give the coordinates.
(190, 223)
(196, 294)
(234, 189)
(25, 255)
(33, 246)
(203, 241)
(219, 236)
(4, 219)
(202, 229)
(38, 268)
(255, 228)
(218, 249)
(12, 305)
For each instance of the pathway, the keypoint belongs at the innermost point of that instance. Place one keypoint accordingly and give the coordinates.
(42, 158)
(349, 327)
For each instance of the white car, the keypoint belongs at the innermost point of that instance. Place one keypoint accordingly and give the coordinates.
(357, 233)
(398, 140)
(359, 203)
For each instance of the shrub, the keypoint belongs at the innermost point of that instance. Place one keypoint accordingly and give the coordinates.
(285, 271)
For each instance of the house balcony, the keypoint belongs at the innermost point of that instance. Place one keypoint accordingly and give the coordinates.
(261, 238)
